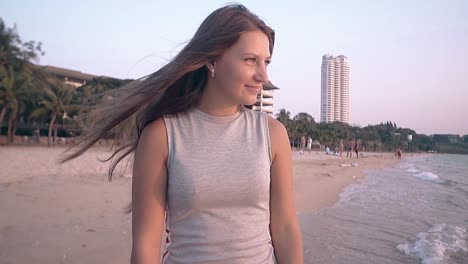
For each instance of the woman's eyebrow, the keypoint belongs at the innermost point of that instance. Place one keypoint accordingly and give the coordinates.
(255, 55)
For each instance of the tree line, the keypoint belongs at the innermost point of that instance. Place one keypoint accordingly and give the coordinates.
(386, 136)
(32, 99)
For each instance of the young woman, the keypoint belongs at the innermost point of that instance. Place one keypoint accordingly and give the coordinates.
(216, 174)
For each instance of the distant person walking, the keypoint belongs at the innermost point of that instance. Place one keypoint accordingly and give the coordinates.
(398, 153)
(356, 148)
(349, 149)
(309, 145)
(36, 136)
(303, 144)
(341, 148)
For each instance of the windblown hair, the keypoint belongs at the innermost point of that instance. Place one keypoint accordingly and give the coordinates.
(174, 88)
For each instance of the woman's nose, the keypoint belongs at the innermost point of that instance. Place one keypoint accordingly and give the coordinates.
(261, 74)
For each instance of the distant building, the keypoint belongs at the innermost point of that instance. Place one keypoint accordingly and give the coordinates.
(449, 138)
(265, 99)
(70, 77)
(334, 89)
(454, 139)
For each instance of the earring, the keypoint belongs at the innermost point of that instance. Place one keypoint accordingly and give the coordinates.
(212, 73)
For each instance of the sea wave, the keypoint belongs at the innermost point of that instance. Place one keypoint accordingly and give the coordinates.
(437, 245)
(350, 195)
(429, 176)
(407, 165)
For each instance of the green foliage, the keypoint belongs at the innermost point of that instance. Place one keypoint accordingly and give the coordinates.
(285, 118)
(29, 94)
(17, 85)
(92, 91)
(386, 136)
(13, 50)
(453, 148)
(55, 102)
(303, 124)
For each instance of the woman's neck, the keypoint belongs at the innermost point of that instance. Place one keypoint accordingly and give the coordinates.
(216, 110)
(213, 104)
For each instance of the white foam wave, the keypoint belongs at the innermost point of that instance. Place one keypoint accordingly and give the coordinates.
(345, 195)
(428, 176)
(437, 245)
(407, 165)
(413, 170)
(351, 194)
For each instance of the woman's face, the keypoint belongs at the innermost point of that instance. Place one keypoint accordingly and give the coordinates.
(242, 70)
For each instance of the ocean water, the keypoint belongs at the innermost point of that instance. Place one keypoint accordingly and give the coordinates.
(413, 212)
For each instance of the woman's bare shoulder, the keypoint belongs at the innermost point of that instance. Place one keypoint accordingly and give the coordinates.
(279, 138)
(154, 129)
(276, 128)
(154, 137)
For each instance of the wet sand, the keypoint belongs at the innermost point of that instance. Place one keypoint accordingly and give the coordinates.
(320, 178)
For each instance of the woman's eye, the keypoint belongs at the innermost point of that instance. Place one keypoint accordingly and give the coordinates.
(251, 60)
(268, 62)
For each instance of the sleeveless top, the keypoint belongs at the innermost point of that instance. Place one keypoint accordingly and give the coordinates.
(218, 189)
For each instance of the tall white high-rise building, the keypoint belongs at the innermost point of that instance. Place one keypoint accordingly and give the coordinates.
(335, 89)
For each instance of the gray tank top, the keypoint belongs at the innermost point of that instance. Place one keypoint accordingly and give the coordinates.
(218, 193)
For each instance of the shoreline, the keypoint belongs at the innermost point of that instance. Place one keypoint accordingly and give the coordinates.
(319, 179)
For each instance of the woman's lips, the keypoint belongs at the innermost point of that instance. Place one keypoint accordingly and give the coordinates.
(254, 89)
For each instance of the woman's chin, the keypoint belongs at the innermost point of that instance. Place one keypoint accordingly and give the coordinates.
(250, 101)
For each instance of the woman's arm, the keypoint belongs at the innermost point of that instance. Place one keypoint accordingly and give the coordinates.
(149, 186)
(285, 231)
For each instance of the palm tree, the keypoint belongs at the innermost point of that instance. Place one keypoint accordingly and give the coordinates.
(15, 75)
(284, 117)
(14, 88)
(8, 49)
(56, 101)
(13, 50)
(303, 124)
(3, 107)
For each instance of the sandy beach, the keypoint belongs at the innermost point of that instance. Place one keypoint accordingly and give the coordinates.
(70, 213)
(319, 178)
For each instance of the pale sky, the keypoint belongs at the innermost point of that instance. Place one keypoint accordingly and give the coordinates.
(408, 59)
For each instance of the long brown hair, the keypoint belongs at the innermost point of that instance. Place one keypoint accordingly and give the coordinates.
(174, 88)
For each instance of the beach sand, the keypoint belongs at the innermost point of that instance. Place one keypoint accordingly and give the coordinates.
(320, 178)
(70, 213)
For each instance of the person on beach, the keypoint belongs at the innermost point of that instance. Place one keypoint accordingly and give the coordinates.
(341, 148)
(356, 148)
(212, 173)
(398, 153)
(309, 145)
(303, 144)
(349, 149)
(36, 136)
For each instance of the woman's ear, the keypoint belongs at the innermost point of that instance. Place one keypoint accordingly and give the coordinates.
(211, 67)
